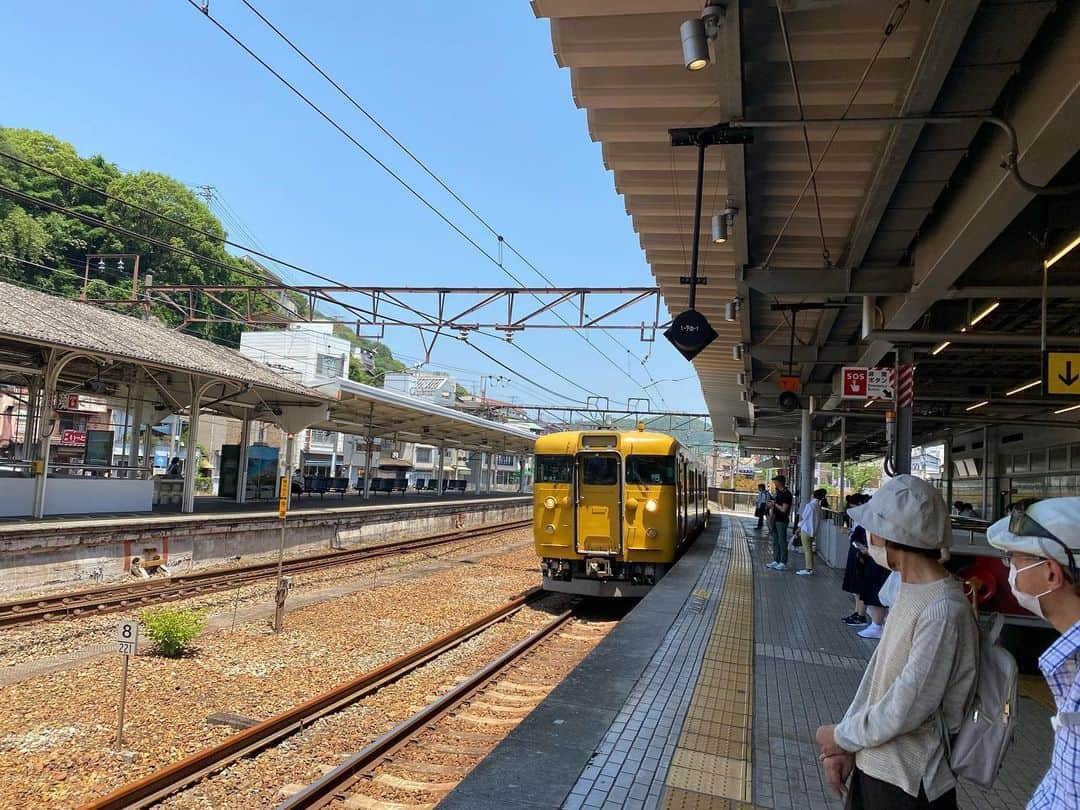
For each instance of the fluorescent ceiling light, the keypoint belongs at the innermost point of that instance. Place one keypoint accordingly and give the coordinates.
(1066, 410)
(985, 312)
(940, 348)
(977, 405)
(1061, 254)
(1023, 387)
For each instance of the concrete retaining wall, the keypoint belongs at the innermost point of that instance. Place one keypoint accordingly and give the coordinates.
(58, 555)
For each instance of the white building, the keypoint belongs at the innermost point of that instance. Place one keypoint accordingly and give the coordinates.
(313, 353)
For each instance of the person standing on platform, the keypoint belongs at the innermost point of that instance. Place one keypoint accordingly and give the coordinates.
(921, 675)
(761, 507)
(780, 515)
(809, 520)
(1041, 545)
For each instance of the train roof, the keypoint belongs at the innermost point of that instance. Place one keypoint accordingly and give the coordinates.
(629, 441)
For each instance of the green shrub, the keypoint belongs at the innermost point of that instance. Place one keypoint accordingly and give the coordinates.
(172, 629)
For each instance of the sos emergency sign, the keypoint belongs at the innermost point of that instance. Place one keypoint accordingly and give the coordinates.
(854, 382)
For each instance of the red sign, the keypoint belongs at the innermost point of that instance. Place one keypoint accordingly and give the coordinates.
(74, 438)
(67, 402)
(854, 382)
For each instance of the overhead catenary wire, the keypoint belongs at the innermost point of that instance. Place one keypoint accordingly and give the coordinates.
(204, 9)
(237, 345)
(31, 200)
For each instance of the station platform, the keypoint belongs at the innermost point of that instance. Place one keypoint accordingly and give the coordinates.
(707, 695)
(58, 552)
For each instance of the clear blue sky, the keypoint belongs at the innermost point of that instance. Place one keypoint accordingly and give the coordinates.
(471, 87)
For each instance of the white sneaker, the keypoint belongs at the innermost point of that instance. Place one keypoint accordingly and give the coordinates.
(872, 631)
(804, 572)
(780, 567)
(772, 565)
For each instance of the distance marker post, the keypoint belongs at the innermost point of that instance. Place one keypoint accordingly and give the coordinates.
(127, 639)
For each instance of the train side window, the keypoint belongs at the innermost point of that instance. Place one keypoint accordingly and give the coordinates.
(600, 471)
(650, 470)
(554, 469)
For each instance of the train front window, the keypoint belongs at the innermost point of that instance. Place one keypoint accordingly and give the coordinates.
(600, 471)
(554, 469)
(650, 470)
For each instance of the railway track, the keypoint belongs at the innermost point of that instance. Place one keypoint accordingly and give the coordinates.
(160, 784)
(146, 592)
(419, 761)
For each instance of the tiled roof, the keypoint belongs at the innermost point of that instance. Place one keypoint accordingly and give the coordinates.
(36, 317)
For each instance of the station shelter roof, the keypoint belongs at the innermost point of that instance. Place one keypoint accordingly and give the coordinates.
(920, 216)
(367, 410)
(106, 345)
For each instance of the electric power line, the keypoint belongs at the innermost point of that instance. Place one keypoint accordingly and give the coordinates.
(385, 167)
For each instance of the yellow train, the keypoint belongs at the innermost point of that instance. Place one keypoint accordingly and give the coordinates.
(613, 509)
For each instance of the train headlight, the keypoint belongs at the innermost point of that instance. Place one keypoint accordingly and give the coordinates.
(549, 503)
(550, 528)
(650, 533)
(650, 505)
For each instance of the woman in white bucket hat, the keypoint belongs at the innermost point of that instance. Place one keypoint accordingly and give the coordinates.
(1041, 545)
(889, 742)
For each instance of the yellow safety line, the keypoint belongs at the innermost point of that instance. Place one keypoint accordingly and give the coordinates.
(711, 767)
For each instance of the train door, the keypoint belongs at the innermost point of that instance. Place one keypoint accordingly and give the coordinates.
(599, 503)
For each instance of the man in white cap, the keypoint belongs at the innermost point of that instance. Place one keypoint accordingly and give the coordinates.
(890, 741)
(1041, 544)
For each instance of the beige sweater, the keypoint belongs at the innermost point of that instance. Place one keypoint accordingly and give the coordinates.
(925, 663)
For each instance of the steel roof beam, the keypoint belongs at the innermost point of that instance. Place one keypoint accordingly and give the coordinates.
(831, 281)
(1044, 118)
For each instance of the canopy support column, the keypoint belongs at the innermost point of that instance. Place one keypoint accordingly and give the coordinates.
(806, 460)
(242, 469)
(904, 357)
(45, 427)
(370, 449)
(842, 505)
(198, 389)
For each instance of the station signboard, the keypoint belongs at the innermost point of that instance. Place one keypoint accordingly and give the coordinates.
(879, 382)
(1061, 374)
(73, 438)
(854, 382)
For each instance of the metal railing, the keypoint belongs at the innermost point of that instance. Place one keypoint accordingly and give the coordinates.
(736, 500)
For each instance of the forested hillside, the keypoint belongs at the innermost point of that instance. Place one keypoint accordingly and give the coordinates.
(46, 250)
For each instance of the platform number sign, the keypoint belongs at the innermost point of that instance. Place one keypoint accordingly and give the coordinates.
(854, 380)
(127, 637)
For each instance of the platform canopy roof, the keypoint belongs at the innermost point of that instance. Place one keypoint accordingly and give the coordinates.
(367, 410)
(110, 351)
(919, 218)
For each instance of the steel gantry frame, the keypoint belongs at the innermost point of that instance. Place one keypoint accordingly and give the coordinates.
(495, 308)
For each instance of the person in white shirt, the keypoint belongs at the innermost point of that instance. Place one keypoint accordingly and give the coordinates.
(761, 508)
(809, 520)
(923, 672)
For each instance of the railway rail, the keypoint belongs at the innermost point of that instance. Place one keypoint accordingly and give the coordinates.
(426, 755)
(146, 592)
(160, 784)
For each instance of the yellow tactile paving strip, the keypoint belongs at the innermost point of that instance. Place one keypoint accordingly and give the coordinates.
(711, 764)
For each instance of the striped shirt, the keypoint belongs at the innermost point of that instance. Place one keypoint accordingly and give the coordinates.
(1060, 664)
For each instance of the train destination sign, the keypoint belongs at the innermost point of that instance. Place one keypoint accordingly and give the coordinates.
(1061, 374)
(690, 332)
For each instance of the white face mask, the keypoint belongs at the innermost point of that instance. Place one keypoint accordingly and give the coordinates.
(1027, 601)
(879, 554)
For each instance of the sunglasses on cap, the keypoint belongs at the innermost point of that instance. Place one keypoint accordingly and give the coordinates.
(1024, 525)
